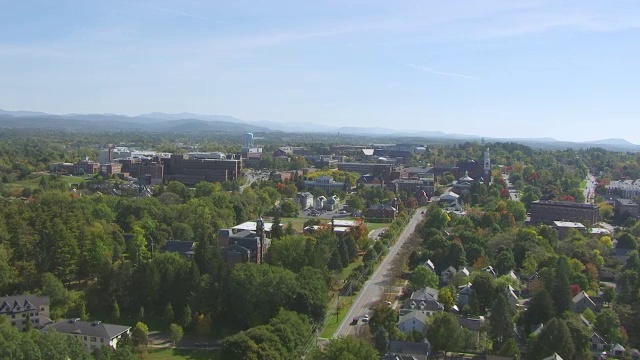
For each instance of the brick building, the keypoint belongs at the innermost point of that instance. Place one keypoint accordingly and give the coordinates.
(190, 171)
(547, 212)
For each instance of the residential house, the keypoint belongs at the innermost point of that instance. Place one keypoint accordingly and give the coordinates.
(184, 248)
(409, 350)
(555, 356)
(492, 271)
(92, 334)
(305, 199)
(564, 228)
(413, 321)
(447, 274)
(424, 301)
(430, 265)
(512, 298)
(382, 211)
(475, 325)
(332, 203)
(465, 293)
(582, 301)
(451, 201)
(319, 202)
(17, 310)
(617, 351)
(598, 344)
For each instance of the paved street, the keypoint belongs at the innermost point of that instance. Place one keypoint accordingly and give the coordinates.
(374, 234)
(373, 289)
(513, 192)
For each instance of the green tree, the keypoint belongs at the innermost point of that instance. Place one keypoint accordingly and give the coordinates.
(445, 334)
(608, 326)
(540, 310)
(562, 287)
(175, 333)
(483, 290)
(383, 317)
(54, 289)
(115, 311)
(504, 261)
(276, 228)
(140, 334)
(381, 340)
(510, 349)
(446, 298)
(168, 314)
(347, 348)
(500, 321)
(422, 277)
(555, 337)
(186, 318)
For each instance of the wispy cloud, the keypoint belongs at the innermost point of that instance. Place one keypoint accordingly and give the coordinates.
(433, 71)
(182, 13)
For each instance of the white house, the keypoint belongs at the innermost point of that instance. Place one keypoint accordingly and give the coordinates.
(305, 199)
(412, 321)
(92, 334)
(319, 202)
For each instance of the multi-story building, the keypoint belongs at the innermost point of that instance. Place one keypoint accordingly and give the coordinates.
(366, 168)
(192, 170)
(92, 334)
(86, 167)
(324, 182)
(543, 211)
(246, 245)
(624, 188)
(305, 199)
(17, 310)
(627, 207)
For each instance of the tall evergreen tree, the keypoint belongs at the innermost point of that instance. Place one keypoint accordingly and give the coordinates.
(276, 228)
(540, 310)
(562, 287)
(555, 337)
(500, 321)
(344, 253)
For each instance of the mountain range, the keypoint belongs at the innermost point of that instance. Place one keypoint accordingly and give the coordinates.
(197, 123)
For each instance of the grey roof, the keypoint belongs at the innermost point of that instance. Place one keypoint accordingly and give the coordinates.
(81, 327)
(425, 294)
(418, 315)
(21, 303)
(410, 348)
(582, 295)
(180, 247)
(555, 356)
(471, 324)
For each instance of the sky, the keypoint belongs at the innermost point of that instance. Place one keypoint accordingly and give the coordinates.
(563, 69)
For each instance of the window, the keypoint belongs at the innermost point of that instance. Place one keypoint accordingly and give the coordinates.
(13, 323)
(93, 339)
(41, 308)
(102, 340)
(24, 315)
(13, 316)
(85, 338)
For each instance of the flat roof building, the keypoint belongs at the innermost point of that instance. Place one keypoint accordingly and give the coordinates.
(543, 211)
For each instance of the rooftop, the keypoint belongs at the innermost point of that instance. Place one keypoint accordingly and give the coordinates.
(567, 204)
(81, 327)
(569, 224)
(251, 226)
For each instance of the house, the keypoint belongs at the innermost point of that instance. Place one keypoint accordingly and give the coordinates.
(319, 202)
(627, 207)
(555, 356)
(597, 343)
(430, 265)
(92, 334)
(512, 298)
(491, 270)
(184, 248)
(476, 326)
(465, 293)
(463, 185)
(564, 227)
(451, 201)
(382, 211)
(17, 310)
(617, 351)
(410, 350)
(582, 301)
(305, 199)
(447, 274)
(607, 275)
(424, 301)
(413, 321)
(332, 203)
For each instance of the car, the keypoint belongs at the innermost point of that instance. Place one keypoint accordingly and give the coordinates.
(388, 303)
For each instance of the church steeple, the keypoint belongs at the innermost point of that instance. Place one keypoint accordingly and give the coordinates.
(487, 167)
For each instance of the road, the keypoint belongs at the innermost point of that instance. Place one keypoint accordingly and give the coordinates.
(590, 189)
(513, 192)
(374, 234)
(373, 289)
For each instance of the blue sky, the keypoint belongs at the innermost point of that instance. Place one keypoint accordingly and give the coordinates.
(563, 69)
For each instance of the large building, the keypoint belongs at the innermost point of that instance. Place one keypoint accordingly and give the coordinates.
(324, 182)
(547, 212)
(383, 170)
(93, 335)
(17, 310)
(245, 245)
(193, 168)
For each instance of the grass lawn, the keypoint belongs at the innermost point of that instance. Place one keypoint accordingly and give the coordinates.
(179, 354)
(375, 226)
(331, 325)
(298, 223)
(33, 181)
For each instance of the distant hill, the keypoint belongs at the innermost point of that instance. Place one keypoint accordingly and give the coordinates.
(199, 123)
